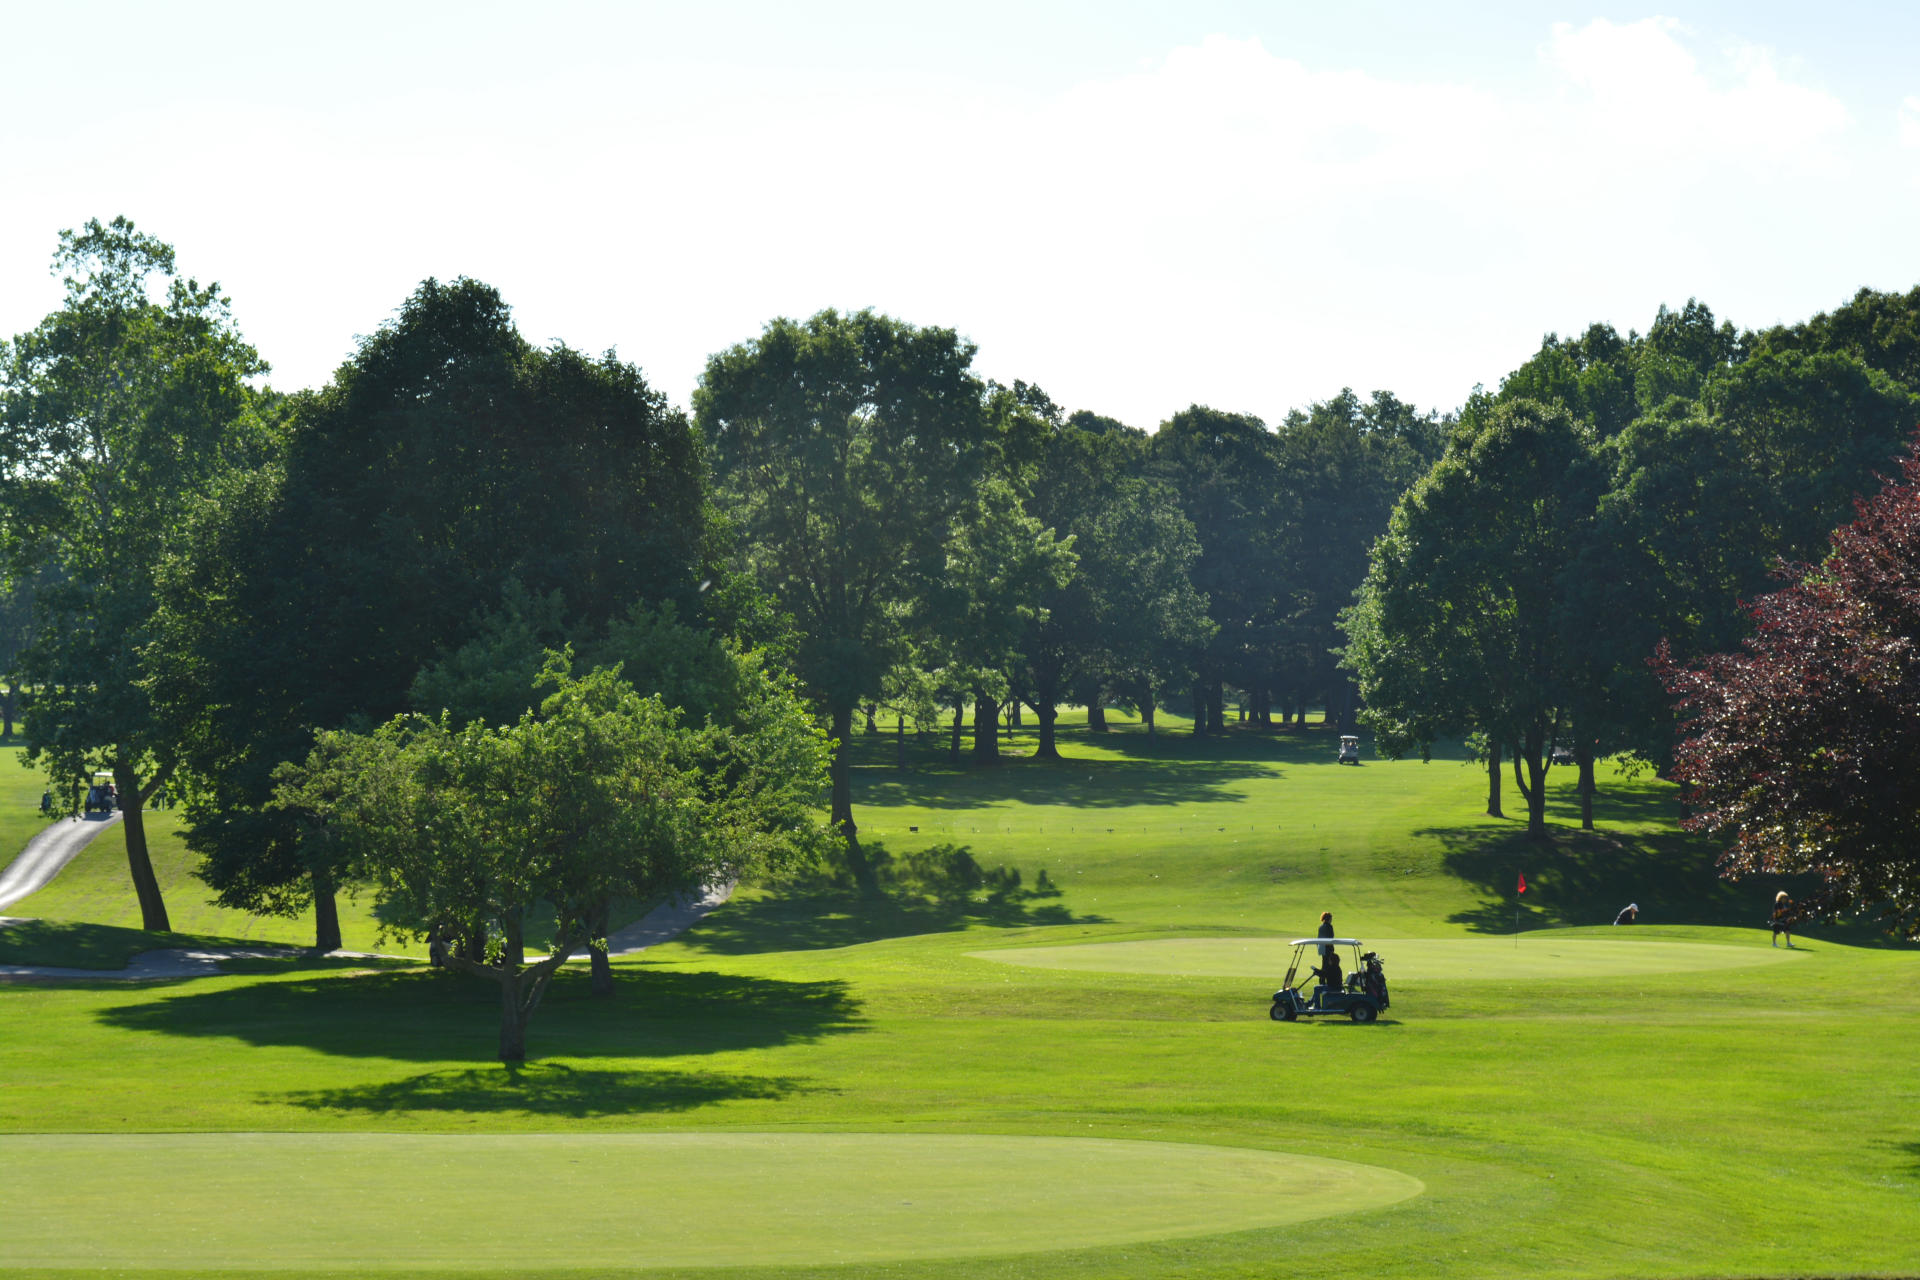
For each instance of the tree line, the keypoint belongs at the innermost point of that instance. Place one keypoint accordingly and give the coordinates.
(463, 541)
(224, 592)
(1614, 494)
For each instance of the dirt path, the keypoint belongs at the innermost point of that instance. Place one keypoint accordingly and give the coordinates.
(47, 853)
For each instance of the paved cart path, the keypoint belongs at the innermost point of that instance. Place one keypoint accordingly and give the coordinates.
(48, 852)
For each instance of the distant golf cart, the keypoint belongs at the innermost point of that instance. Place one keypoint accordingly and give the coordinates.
(1562, 755)
(1360, 994)
(1349, 749)
(100, 796)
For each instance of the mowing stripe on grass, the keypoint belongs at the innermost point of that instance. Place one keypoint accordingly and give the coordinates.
(1407, 959)
(494, 1201)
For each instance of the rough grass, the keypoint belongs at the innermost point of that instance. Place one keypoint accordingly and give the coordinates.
(1750, 1121)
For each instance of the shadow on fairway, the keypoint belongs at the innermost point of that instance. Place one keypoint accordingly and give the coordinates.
(549, 1089)
(1081, 784)
(430, 1016)
(76, 944)
(814, 919)
(1586, 877)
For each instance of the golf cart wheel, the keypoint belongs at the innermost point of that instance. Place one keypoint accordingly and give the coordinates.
(1281, 1012)
(1363, 1013)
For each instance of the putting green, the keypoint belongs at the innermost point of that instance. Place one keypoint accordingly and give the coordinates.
(493, 1201)
(1450, 959)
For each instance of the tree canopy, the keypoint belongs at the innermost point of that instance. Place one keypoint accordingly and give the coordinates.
(1802, 743)
(125, 405)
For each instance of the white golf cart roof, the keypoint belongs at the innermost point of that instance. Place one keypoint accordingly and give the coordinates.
(1325, 942)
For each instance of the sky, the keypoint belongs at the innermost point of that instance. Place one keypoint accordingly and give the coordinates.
(1137, 207)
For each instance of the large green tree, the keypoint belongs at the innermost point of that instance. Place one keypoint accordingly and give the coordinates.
(1226, 469)
(446, 460)
(599, 792)
(846, 446)
(116, 412)
(1461, 622)
(1129, 618)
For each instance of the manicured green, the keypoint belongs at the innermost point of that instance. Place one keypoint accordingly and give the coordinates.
(1529, 956)
(689, 1200)
(1751, 1121)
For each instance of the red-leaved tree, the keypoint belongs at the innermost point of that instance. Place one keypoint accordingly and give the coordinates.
(1805, 744)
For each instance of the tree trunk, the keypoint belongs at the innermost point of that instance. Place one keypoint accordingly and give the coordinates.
(1533, 786)
(1199, 709)
(326, 913)
(1047, 711)
(1584, 755)
(1493, 780)
(1097, 712)
(12, 700)
(1216, 707)
(1013, 715)
(597, 959)
(513, 950)
(959, 722)
(513, 1019)
(146, 887)
(1146, 707)
(840, 812)
(900, 742)
(840, 728)
(872, 710)
(986, 730)
(1047, 714)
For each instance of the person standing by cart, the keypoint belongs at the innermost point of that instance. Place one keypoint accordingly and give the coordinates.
(1326, 931)
(1782, 918)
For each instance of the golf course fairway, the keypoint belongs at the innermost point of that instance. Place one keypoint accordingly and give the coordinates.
(1534, 956)
(378, 1200)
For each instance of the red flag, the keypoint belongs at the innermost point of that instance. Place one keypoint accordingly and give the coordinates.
(1523, 882)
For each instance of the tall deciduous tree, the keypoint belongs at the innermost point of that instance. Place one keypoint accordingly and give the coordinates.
(846, 446)
(1804, 742)
(115, 413)
(447, 459)
(1461, 622)
(1225, 467)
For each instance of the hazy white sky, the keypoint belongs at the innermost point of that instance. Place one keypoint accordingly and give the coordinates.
(1248, 205)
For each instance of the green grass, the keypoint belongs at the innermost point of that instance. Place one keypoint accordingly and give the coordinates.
(133, 1200)
(1578, 1112)
(1531, 957)
(20, 789)
(88, 917)
(95, 888)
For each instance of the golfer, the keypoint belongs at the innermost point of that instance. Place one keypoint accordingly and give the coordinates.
(1326, 931)
(1627, 913)
(1782, 918)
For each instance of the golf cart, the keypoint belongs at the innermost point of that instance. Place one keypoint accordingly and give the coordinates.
(1349, 749)
(100, 797)
(1361, 994)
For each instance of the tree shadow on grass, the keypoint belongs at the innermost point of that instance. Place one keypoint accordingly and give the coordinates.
(1585, 877)
(817, 918)
(547, 1089)
(1078, 784)
(431, 1016)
